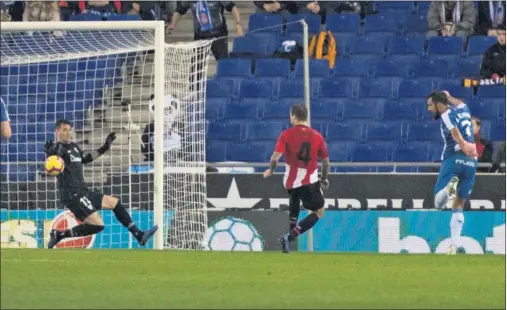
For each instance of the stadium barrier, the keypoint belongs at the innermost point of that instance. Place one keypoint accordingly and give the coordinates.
(366, 213)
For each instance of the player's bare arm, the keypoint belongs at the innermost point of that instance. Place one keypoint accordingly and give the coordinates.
(325, 172)
(468, 148)
(272, 164)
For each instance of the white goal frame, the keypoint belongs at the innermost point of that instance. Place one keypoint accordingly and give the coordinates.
(159, 89)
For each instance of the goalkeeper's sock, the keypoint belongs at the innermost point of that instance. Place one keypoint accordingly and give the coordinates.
(306, 224)
(124, 218)
(80, 231)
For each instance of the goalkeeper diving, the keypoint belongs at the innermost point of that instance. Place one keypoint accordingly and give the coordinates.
(74, 194)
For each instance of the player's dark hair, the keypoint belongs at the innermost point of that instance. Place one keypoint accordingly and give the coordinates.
(152, 96)
(438, 97)
(300, 112)
(477, 120)
(61, 122)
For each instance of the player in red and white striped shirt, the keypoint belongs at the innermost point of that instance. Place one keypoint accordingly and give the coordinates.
(302, 146)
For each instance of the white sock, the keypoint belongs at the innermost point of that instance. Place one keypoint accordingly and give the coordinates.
(457, 221)
(441, 199)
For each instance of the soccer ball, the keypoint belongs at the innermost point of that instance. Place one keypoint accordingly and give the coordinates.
(233, 234)
(54, 165)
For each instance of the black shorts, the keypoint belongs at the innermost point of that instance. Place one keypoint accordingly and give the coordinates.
(84, 204)
(311, 196)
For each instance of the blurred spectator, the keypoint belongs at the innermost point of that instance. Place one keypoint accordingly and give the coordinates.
(148, 10)
(284, 8)
(451, 18)
(484, 147)
(491, 14)
(4, 11)
(41, 11)
(67, 9)
(499, 159)
(209, 22)
(100, 6)
(493, 62)
(167, 9)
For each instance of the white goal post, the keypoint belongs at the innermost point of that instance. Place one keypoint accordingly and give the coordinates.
(176, 71)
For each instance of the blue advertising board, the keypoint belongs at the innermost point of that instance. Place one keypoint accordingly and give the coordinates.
(405, 231)
(30, 229)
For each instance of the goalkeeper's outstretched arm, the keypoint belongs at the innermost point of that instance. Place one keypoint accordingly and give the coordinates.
(88, 158)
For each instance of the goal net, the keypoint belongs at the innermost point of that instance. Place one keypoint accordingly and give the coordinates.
(102, 79)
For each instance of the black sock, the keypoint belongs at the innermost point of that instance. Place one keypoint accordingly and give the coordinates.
(306, 224)
(292, 223)
(124, 218)
(81, 230)
(294, 208)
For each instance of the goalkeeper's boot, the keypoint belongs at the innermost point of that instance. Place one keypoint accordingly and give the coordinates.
(452, 250)
(54, 238)
(452, 188)
(147, 234)
(284, 241)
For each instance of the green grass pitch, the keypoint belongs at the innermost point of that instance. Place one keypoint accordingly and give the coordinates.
(65, 279)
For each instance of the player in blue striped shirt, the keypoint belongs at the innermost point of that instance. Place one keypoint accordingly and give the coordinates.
(5, 122)
(456, 177)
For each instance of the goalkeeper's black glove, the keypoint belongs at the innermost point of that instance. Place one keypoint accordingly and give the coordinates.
(107, 144)
(50, 148)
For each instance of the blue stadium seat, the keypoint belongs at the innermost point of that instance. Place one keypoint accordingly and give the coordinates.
(319, 68)
(247, 152)
(325, 110)
(249, 44)
(497, 131)
(431, 68)
(345, 132)
(314, 21)
(219, 89)
(492, 92)
(383, 132)
(444, 46)
(216, 151)
(256, 89)
(399, 111)
(294, 89)
(377, 88)
(224, 131)
(341, 88)
(215, 108)
(274, 67)
(339, 23)
(85, 18)
(340, 151)
(478, 45)
(234, 67)
(394, 5)
(348, 67)
(269, 40)
(263, 131)
(386, 68)
(469, 67)
(411, 152)
(372, 152)
(364, 46)
(416, 23)
(265, 22)
(383, 22)
(367, 109)
(486, 109)
(424, 131)
(277, 110)
(294, 36)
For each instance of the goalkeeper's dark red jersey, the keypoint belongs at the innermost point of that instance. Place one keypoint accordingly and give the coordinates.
(302, 147)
